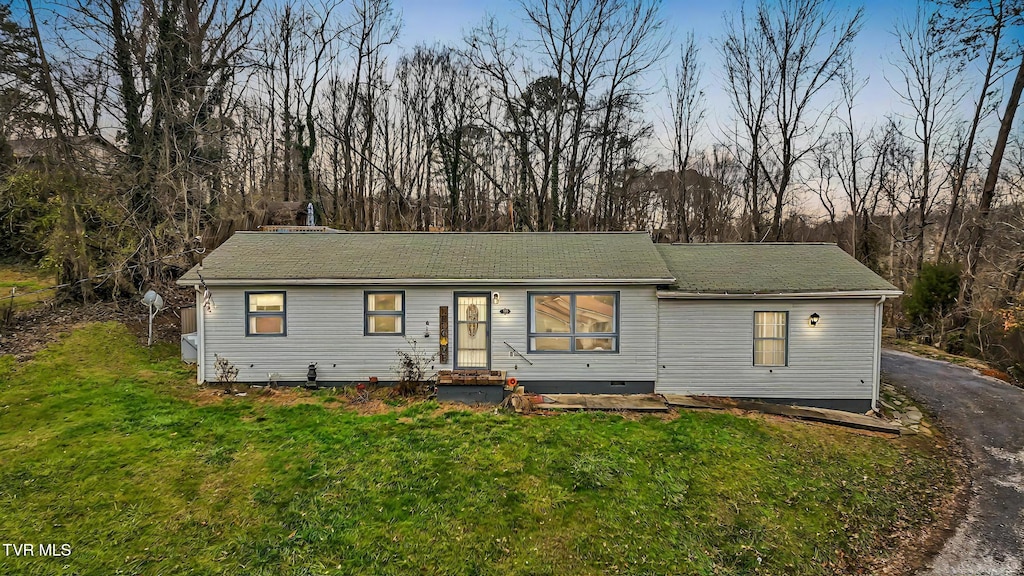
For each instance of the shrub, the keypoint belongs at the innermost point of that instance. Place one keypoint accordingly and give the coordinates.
(413, 369)
(933, 294)
(28, 212)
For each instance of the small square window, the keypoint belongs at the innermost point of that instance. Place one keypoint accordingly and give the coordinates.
(384, 314)
(265, 314)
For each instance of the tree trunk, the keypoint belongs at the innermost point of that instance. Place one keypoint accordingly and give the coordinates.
(74, 262)
(988, 191)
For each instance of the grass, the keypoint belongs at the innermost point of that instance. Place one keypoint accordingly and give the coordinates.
(23, 279)
(104, 447)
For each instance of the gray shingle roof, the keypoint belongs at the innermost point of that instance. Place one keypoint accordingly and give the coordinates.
(628, 257)
(767, 269)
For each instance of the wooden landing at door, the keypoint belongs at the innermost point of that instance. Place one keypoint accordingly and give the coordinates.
(471, 377)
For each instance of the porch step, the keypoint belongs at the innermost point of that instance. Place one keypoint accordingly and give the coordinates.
(471, 377)
(635, 402)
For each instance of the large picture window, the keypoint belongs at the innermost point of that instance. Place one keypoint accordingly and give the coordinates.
(574, 322)
(771, 338)
(384, 314)
(265, 314)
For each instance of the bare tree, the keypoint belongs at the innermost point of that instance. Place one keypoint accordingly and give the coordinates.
(635, 45)
(172, 65)
(20, 69)
(979, 227)
(376, 26)
(978, 30)
(785, 56)
(688, 110)
(849, 163)
(750, 81)
(568, 90)
(929, 85)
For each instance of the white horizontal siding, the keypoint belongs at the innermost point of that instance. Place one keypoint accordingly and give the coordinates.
(325, 325)
(706, 347)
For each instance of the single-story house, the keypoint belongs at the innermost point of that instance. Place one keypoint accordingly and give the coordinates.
(560, 312)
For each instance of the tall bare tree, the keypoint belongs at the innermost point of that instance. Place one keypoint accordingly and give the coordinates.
(979, 229)
(977, 30)
(688, 110)
(929, 84)
(851, 156)
(784, 56)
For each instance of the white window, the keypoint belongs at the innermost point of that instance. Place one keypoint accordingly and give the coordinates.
(771, 338)
(574, 322)
(384, 314)
(265, 314)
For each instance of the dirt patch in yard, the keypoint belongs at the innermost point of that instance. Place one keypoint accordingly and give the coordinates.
(30, 330)
(372, 402)
(213, 394)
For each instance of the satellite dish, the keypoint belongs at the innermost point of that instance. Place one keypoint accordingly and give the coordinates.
(151, 298)
(155, 303)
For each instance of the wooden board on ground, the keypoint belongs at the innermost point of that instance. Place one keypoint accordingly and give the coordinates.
(632, 402)
(683, 401)
(848, 419)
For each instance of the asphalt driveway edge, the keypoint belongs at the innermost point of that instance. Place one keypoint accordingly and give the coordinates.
(982, 419)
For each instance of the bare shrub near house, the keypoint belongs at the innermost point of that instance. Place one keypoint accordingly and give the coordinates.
(414, 369)
(226, 372)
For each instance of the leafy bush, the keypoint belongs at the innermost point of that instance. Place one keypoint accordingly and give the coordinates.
(933, 294)
(69, 224)
(28, 213)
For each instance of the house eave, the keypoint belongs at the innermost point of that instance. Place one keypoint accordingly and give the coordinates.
(676, 295)
(427, 281)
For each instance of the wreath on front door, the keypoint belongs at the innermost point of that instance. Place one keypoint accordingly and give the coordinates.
(472, 316)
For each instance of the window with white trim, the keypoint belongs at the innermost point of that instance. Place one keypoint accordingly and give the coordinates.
(771, 338)
(384, 313)
(265, 314)
(570, 322)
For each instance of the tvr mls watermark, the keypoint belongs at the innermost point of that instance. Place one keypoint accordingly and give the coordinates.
(38, 550)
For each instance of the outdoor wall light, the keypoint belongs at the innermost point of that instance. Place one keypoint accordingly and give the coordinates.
(505, 311)
(426, 333)
(814, 319)
(496, 297)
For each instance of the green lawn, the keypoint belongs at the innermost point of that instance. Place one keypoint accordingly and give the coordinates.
(104, 446)
(24, 280)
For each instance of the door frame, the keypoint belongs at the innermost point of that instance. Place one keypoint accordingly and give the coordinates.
(455, 306)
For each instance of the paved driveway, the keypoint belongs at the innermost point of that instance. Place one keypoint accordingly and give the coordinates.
(988, 416)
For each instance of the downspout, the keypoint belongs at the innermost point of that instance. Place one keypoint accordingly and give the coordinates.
(876, 383)
(200, 337)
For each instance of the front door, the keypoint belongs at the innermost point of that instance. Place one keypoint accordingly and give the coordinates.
(472, 330)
